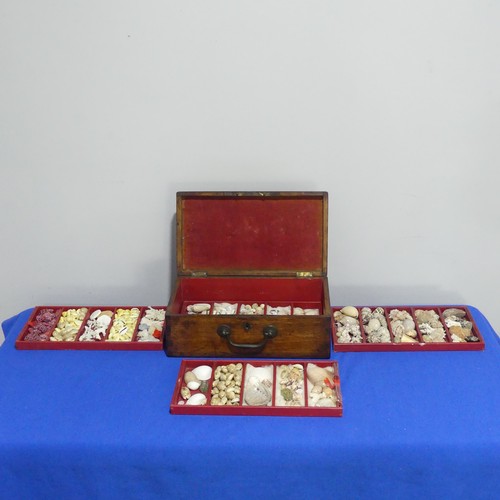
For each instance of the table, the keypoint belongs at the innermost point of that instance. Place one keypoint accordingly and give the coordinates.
(77, 424)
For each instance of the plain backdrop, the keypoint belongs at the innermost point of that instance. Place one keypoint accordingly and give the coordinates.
(108, 108)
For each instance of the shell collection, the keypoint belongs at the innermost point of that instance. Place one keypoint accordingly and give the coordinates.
(290, 385)
(62, 324)
(321, 386)
(97, 325)
(228, 308)
(69, 324)
(459, 327)
(375, 325)
(42, 326)
(348, 329)
(124, 323)
(151, 325)
(226, 388)
(258, 385)
(224, 308)
(404, 325)
(195, 380)
(430, 325)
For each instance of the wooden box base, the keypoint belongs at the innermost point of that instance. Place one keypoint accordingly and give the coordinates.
(250, 335)
(245, 392)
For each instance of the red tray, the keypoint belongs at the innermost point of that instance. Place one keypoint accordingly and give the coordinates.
(420, 344)
(276, 405)
(97, 345)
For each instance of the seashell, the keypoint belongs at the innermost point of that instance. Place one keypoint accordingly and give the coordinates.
(317, 389)
(350, 311)
(104, 320)
(194, 384)
(185, 392)
(459, 313)
(316, 375)
(198, 308)
(411, 333)
(328, 391)
(406, 338)
(325, 402)
(189, 376)
(347, 320)
(311, 312)
(95, 314)
(261, 372)
(409, 324)
(258, 393)
(197, 399)
(202, 372)
(373, 324)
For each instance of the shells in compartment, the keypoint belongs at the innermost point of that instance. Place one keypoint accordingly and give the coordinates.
(198, 308)
(258, 385)
(299, 311)
(279, 310)
(403, 326)
(459, 327)
(226, 387)
(430, 325)
(290, 385)
(224, 308)
(375, 325)
(252, 309)
(321, 392)
(348, 329)
(317, 375)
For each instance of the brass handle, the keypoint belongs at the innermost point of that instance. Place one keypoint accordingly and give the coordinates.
(268, 332)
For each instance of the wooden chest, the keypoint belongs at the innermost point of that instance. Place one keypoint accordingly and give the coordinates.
(251, 276)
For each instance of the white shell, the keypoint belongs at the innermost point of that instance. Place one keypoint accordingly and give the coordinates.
(350, 311)
(325, 402)
(197, 399)
(193, 384)
(316, 374)
(202, 372)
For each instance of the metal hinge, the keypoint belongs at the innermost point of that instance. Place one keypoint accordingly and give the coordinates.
(199, 274)
(304, 274)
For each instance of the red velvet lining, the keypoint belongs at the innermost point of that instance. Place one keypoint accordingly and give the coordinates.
(230, 235)
(273, 291)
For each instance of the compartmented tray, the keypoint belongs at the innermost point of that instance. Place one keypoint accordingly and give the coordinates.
(406, 328)
(263, 387)
(94, 328)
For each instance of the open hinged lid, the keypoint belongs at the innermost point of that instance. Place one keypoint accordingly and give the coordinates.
(249, 233)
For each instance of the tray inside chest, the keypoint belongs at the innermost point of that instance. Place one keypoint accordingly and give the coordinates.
(250, 296)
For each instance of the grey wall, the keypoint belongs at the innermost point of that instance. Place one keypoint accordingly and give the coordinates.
(109, 108)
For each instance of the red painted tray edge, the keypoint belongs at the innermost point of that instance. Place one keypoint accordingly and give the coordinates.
(243, 410)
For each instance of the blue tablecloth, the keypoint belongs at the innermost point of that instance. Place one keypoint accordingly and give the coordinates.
(77, 424)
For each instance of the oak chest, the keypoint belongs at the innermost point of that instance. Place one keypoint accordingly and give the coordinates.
(251, 276)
